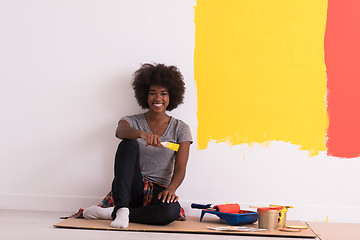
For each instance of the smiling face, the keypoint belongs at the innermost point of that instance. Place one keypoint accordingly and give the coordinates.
(158, 99)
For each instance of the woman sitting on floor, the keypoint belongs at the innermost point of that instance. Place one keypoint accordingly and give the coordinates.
(141, 161)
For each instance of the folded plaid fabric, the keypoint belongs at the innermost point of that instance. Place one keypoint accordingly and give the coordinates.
(108, 201)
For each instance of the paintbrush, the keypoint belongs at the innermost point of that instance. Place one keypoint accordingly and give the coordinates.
(170, 145)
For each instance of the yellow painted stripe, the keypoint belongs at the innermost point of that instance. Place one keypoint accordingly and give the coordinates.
(260, 72)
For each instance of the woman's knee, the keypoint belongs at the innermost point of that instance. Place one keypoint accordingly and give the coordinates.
(127, 158)
(169, 213)
(129, 144)
(158, 214)
(127, 148)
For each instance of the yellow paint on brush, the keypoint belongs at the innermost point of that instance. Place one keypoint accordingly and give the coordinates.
(260, 72)
(170, 145)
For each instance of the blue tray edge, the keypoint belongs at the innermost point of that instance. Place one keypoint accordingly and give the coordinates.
(233, 218)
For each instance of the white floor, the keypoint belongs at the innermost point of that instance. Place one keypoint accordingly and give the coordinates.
(16, 224)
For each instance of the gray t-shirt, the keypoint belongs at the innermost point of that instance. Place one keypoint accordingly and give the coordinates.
(157, 164)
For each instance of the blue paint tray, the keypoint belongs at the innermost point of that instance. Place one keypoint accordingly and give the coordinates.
(241, 218)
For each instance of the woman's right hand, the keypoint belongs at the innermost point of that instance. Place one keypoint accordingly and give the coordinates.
(125, 131)
(151, 139)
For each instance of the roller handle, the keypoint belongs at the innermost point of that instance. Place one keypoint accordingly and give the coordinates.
(200, 206)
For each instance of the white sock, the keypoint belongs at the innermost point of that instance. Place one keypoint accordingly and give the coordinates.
(122, 218)
(96, 212)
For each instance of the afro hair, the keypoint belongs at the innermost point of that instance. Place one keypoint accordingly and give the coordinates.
(168, 77)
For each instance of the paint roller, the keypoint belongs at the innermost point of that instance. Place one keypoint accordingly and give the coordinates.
(225, 208)
(228, 208)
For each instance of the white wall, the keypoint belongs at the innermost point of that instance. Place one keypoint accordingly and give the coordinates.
(65, 81)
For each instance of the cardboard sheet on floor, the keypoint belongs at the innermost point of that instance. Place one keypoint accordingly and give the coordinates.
(191, 225)
(336, 231)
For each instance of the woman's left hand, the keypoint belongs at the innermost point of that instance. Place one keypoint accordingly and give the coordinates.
(168, 196)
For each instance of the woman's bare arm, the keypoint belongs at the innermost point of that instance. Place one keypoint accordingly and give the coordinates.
(125, 131)
(181, 160)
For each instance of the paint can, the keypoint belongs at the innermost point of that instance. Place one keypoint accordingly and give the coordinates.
(268, 217)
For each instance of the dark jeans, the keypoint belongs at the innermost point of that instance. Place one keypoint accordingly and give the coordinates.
(128, 189)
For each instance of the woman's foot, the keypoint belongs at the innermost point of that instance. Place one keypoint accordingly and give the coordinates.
(96, 212)
(122, 218)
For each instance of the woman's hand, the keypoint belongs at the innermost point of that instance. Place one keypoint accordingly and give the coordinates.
(151, 139)
(168, 196)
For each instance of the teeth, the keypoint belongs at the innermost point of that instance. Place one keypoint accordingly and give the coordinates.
(158, 104)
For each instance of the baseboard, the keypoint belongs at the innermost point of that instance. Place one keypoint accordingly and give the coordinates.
(310, 213)
(46, 202)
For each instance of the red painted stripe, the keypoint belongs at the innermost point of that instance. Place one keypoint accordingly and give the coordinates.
(342, 58)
